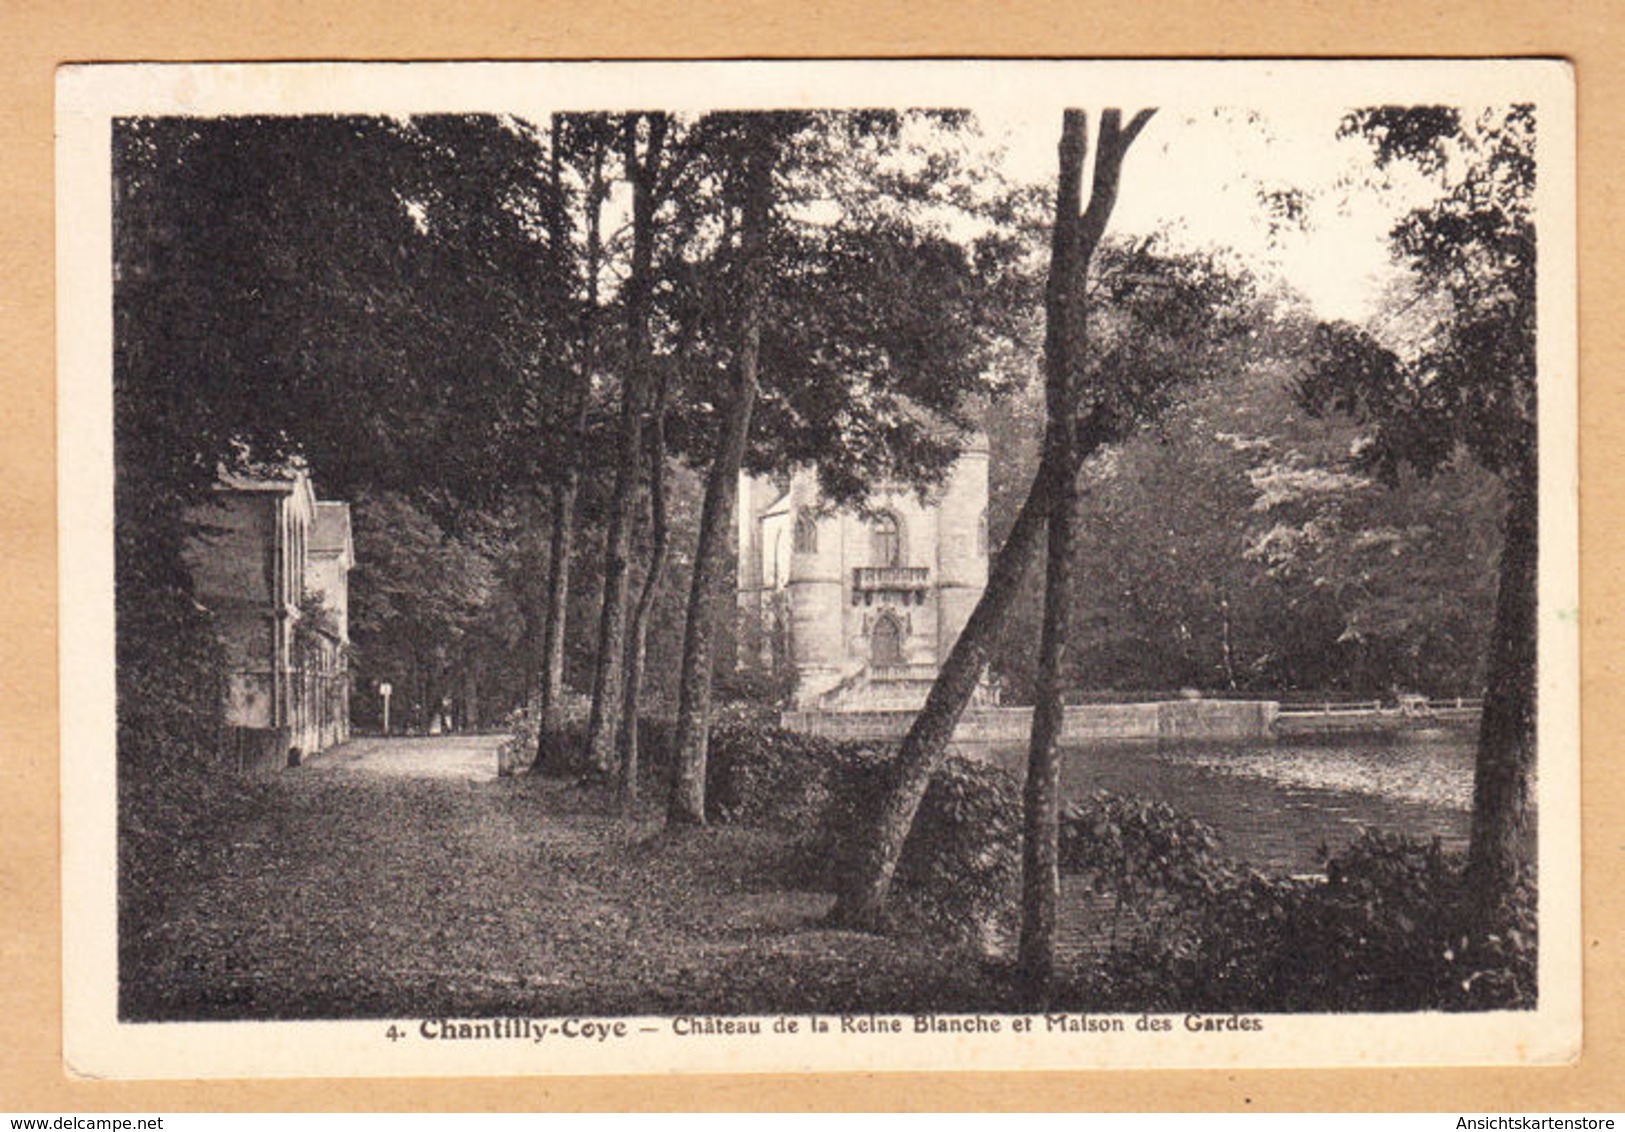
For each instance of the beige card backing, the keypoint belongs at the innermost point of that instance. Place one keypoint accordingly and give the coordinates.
(95, 1042)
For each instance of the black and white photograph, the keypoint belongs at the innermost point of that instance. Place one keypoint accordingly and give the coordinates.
(648, 567)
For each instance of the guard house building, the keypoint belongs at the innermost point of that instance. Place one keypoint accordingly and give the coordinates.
(857, 611)
(327, 578)
(272, 565)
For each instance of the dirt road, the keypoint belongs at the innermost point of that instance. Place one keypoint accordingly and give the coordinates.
(470, 758)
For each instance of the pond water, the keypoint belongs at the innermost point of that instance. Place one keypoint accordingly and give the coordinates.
(1274, 805)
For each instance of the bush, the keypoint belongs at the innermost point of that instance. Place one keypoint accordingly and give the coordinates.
(1380, 933)
(175, 777)
(960, 872)
(1384, 933)
(758, 774)
(1143, 855)
(959, 876)
(759, 694)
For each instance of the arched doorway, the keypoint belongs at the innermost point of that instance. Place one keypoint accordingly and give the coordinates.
(886, 642)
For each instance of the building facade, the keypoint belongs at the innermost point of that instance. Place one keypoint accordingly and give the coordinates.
(857, 611)
(271, 564)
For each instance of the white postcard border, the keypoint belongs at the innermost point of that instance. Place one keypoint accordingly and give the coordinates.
(98, 1045)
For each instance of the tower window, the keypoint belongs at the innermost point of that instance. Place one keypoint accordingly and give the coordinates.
(806, 534)
(885, 541)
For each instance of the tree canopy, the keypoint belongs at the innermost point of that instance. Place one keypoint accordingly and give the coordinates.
(354, 290)
(1467, 378)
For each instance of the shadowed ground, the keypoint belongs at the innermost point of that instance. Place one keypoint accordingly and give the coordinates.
(402, 878)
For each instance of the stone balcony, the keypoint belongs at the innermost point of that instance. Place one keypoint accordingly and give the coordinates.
(903, 579)
(902, 673)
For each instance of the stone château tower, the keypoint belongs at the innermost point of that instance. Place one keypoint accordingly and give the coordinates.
(858, 611)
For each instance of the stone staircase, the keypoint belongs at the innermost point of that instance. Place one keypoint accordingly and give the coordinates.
(901, 687)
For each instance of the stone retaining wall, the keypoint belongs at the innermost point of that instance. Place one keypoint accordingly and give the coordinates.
(1171, 720)
(1369, 722)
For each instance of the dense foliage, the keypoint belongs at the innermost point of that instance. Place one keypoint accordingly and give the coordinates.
(1190, 929)
(1466, 378)
(1241, 544)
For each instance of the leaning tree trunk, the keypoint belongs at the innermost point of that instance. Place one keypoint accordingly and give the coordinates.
(712, 582)
(608, 672)
(1501, 846)
(866, 881)
(1063, 351)
(638, 632)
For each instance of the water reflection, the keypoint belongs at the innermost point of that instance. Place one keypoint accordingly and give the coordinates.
(1275, 805)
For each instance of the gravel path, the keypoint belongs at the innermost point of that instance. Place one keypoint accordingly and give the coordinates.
(402, 878)
(471, 758)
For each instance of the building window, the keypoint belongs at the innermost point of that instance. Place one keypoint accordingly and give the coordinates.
(886, 541)
(806, 534)
(981, 534)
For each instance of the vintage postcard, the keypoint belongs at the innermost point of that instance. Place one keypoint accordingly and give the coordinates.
(814, 566)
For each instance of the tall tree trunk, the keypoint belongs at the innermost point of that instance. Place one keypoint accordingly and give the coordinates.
(471, 691)
(1063, 350)
(562, 540)
(429, 710)
(1227, 653)
(608, 672)
(867, 877)
(638, 631)
(1040, 860)
(712, 582)
(1501, 846)
(560, 548)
